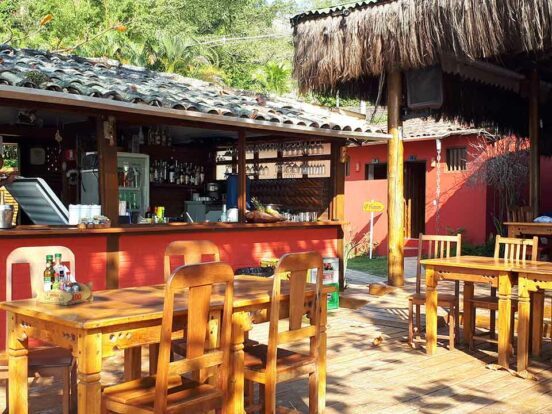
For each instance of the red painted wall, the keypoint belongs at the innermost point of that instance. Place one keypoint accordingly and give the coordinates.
(461, 205)
(141, 256)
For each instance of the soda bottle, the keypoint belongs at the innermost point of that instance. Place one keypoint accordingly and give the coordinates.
(48, 274)
(58, 268)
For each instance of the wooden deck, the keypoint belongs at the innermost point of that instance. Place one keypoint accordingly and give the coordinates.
(389, 377)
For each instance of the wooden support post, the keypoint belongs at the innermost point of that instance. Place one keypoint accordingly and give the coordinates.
(338, 202)
(534, 137)
(395, 190)
(107, 155)
(242, 177)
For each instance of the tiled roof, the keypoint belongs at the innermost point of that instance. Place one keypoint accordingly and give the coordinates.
(109, 79)
(420, 128)
(343, 9)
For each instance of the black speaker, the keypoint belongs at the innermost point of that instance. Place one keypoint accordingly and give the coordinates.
(424, 88)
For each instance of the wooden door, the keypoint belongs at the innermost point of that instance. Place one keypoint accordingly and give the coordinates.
(414, 198)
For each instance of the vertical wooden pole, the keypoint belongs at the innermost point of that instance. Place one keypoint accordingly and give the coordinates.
(395, 187)
(338, 203)
(534, 136)
(108, 182)
(242, 177)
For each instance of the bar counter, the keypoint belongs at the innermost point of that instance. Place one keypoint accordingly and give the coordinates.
(41, 230)
(132, 255)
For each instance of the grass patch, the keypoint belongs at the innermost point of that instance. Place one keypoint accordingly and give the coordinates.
(377, 266)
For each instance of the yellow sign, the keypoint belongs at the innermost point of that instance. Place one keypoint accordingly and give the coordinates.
(373, 207)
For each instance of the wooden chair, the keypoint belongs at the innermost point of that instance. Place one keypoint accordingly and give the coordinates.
(437, 247)
(269, 365)
(193, 252)
(523, 214)
(169, 391)
(511, 249)
(44, 360)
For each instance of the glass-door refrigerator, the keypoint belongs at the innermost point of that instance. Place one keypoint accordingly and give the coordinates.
(133, 174)
(133, 178)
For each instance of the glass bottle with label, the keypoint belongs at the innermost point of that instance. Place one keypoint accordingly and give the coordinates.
(48, 274)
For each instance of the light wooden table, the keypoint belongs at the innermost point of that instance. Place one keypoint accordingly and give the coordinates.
(126, 319)
(533, 279)
(518, 229)
(471, 269)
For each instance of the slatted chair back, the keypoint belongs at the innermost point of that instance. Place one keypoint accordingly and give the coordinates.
(522, 214)
(204, 283)
(192, 251)
(35, 257)
(296, 267)
(438, 247)
(514, 249)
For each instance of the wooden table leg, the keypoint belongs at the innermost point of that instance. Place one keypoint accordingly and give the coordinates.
(89, 355)
(431, 311)
(523, 324)
(537, 313)
(468, 312)
(18, 367)
(504, 321)
(322, 363)
(241, 323)
(133, 363)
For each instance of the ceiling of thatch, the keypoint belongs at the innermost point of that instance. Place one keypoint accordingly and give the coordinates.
(347, 49)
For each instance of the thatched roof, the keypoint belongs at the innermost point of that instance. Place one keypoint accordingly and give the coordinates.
(346, 49)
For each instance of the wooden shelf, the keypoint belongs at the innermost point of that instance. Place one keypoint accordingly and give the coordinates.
(179, 186)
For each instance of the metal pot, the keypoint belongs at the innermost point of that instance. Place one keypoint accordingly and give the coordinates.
(6, 216)
(213, 187)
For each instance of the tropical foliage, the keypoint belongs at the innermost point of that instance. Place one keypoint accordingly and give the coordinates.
(240, 43)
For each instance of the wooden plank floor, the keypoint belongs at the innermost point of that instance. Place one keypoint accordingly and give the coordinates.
(386, 378)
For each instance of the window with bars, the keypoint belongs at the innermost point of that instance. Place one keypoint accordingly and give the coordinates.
(457, 159)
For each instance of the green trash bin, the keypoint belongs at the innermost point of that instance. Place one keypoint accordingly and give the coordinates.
(333, 298)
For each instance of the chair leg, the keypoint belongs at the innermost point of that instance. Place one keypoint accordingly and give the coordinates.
(452, 326)
(419, 320)
(66, 394)
(492, 325)
(474, 314)
(270, 398)
(313, 393)
(411, 323)
(73, 385)
(7, 396)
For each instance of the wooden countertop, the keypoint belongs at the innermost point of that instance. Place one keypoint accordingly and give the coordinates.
(40, 231)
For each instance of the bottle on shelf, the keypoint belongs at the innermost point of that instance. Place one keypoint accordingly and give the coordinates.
(172, 171)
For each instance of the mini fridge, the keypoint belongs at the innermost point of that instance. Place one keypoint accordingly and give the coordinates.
(133, 176)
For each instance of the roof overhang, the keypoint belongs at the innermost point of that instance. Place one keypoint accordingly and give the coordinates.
(37, 98)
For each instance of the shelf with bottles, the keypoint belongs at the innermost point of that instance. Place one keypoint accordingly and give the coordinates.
(175, 186)
(176, 172)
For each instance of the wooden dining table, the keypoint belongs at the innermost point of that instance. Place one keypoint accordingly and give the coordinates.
(533, 279)
(496, 273)
(126, 319)
(519, 229)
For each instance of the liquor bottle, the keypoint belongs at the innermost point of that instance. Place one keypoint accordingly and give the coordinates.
(187, 175)
(172, 171)
(48, 274)
(201, 175)
(181, 174)
(223, 216)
